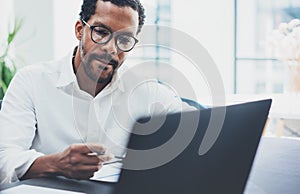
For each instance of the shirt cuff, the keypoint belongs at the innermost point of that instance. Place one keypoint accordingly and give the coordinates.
(18, 164)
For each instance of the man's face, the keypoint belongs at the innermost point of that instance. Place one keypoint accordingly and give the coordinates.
(100, 60)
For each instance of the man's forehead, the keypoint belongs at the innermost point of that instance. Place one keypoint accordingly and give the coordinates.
(116, 18)
(107, 7)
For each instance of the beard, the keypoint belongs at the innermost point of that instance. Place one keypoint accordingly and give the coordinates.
(98, 67)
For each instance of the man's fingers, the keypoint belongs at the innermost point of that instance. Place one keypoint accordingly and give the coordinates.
(93, 159)
(88, 148)
(88, 168)
(85, 172)
(106, 157)
(84, 159)
(96, 148)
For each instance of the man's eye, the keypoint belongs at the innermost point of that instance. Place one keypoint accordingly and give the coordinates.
(101, 32)
(124, 40)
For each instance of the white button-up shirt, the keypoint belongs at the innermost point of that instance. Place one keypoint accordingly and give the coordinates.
(44, 112)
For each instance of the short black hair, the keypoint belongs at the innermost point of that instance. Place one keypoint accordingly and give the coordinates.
(88, 9)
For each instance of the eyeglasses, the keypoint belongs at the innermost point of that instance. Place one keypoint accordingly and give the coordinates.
(102, 35)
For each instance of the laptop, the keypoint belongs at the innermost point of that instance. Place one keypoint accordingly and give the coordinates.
(171, 161)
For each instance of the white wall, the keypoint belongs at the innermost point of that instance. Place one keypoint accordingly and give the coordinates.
(48, 29)
(34, 42)
(212, 24)
(6, 17)
(6, 22)
(65, 16)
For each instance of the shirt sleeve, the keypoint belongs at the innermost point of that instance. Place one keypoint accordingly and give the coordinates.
(154, 98)
(165, 100)
(17, 129)
(169, 99)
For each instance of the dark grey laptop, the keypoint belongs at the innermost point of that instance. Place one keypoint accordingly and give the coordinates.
(221, 167)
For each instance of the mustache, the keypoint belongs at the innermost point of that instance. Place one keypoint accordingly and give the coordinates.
(103, 58)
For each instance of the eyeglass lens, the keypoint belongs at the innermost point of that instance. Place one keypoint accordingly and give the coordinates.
(102, 35)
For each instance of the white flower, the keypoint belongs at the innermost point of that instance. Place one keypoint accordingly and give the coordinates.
(293, 23)
(283, 28)
(285, 41)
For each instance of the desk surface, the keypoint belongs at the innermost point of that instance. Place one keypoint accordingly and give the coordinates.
(84, 186)
(275, 170)
(276, 167)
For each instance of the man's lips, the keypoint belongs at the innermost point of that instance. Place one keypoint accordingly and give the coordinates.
(104, 63)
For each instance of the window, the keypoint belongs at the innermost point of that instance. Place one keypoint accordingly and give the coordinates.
(255, 72)
(157, 13)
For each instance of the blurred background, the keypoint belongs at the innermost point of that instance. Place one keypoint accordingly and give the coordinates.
(234, 32)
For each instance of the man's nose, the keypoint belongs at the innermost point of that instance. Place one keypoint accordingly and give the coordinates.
(110, 47)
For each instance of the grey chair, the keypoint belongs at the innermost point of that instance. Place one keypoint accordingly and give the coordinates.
(193, 103)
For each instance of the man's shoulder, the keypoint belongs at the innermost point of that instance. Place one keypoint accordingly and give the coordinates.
(43, 68)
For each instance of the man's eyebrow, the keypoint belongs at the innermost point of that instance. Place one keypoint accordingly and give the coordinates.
(126, 33)
(97, 23)
(102, 25)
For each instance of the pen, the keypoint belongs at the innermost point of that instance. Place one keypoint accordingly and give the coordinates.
(119, 160)
(120, 157)
(113, 162)
(102, 153)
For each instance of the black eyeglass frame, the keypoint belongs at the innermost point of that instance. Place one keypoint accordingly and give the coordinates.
(111, 36)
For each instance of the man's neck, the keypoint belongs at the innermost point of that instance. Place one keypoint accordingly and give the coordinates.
(84, 82)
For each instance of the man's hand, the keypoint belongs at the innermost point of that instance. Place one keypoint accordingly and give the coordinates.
(79, 161)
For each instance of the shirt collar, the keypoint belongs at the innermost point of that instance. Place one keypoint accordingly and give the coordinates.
(116, 82)
(67, 75)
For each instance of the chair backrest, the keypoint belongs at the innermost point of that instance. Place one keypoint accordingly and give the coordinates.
(0, 104)
(193, 103)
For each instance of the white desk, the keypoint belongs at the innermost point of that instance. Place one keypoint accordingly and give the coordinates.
(276, 170)
(276, 167)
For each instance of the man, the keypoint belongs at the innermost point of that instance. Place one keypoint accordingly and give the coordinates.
(68, 117)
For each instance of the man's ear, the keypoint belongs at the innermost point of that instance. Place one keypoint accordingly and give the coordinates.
(78, 29)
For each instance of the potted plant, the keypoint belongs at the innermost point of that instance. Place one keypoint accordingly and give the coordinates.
(7, 63)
